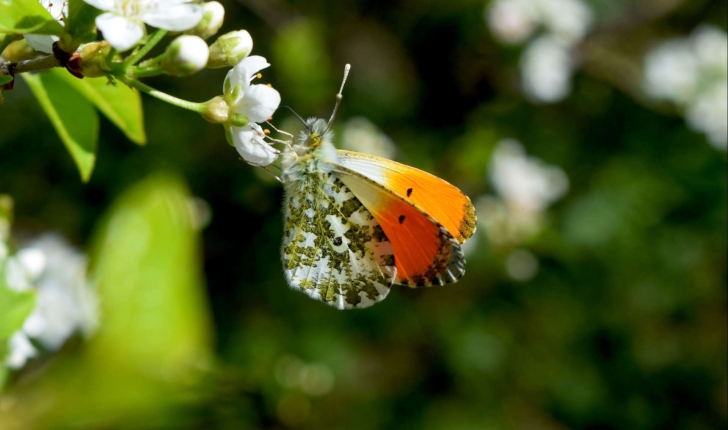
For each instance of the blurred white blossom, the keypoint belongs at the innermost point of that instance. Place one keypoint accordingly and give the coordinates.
(361, 135)
(546, 70)
(511, 21)
(671, 71)
(514, 21)
(548, 61)
(525, 183)
(256, 103)
(692, 72)
(65, 303)
(122, 23)
(525, 187)
(567, 20)
(43, 42)
(708, 114)
(20, 350)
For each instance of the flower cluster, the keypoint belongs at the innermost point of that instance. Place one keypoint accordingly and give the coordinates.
(525, 188)
(692, 73)
(548, 61)
(122, 21)
(123, 25)
(65, 303)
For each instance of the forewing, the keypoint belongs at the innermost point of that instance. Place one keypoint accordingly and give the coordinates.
(425, 253)
(432, 195)
(333, 248)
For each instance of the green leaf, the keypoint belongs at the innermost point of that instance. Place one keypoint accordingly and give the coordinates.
(4, 79)
(27, 16)
(147, 362)
(120, 104)
(73, 117)
(81, 21)
(146, 265)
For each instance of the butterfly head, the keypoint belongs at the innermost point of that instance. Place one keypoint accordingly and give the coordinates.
(314, 133)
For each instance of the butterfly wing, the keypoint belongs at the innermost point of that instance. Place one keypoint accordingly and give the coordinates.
(433, 196)
(333, 248)
(425, 252)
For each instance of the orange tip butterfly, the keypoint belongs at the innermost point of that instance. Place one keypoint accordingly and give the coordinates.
(355, 224)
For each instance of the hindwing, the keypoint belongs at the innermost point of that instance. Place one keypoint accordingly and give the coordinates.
(333, 248)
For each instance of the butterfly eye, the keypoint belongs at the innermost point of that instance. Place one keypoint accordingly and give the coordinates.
(314, 139)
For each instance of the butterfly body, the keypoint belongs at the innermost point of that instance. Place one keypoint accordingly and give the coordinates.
(353, 226)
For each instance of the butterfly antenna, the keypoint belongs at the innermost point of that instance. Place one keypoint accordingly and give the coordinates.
(340, 96)
(294, 112)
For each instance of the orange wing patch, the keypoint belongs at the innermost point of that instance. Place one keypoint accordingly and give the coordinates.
(425, 253)
(434, 196)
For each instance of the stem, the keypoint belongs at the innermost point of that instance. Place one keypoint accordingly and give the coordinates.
(184, 104)
(42, 63)
(148, 71)
(153, 40)
(110, 55)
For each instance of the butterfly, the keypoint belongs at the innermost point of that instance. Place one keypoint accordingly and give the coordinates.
(356, 224)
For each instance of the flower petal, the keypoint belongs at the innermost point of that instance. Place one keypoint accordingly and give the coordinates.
(120, 32)
(258, 103)
(249, 142)
(178, 17)
(41, 42)
(105, 5)
(247, 69)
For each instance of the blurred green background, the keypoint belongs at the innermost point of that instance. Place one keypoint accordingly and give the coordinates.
(605, 310)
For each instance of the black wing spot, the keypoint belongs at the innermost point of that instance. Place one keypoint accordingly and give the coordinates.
(409, 192)
(337, 241)
(401, 219)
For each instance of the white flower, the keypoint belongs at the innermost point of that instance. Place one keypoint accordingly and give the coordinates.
(43, 42)
(671, 71)
(711, 48)
(692, 72)
(512, 21)
(567, 20)
(65, 303)
(257, 103)
(20, 350)
(546, 69)
(525, 183)
(708, 113)
(186, 55)
(123, 23)
(252, 147)
(17, 276)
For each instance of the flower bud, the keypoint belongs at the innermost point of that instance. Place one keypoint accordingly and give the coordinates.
(212, 15)
(229, 49)
(185, 56)
(216, 110)
(91, 61)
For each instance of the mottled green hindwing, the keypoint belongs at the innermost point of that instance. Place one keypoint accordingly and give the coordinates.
(333, 248)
